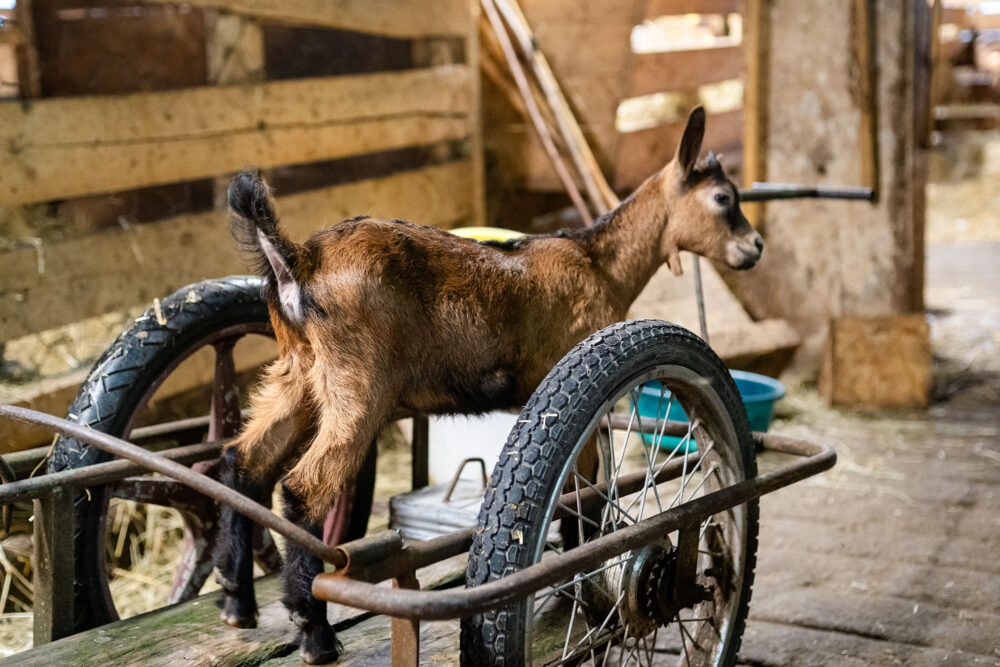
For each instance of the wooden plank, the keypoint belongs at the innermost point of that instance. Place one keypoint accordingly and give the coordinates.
(643, 152)
(673, 7)
(103, 272)
(396, 18)
(57, 148)
(681, 70)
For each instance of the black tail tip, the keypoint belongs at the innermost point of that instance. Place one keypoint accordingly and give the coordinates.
(249, 195)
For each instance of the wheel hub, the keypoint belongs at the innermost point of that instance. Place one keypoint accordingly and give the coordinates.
(645, 587)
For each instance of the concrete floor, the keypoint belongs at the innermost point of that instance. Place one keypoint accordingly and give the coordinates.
(893, 557)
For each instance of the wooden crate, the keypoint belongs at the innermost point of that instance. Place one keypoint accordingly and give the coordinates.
(877, 362)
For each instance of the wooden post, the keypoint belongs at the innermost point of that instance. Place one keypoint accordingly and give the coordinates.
(54, 566)
(864, 45)
(235, 53)
(419, 452)
(29, 78)
(476, 119)
(757, 42)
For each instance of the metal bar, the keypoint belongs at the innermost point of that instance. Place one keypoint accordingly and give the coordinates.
(461, 603)
(699, 296)
(209, 487)
(99, 473)
(377, 558)
(193, 428)
(53, 561)
(775, 191)
(405, 631)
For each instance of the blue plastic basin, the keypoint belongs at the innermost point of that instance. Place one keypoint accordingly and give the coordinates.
(759, 394)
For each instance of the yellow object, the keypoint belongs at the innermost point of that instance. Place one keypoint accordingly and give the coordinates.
(487, 233)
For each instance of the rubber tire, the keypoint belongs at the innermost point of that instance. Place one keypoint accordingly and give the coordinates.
(527, 473)
(115, 386)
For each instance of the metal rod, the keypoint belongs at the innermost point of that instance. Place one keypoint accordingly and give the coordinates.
(430, 605)
(699, 296)
(27, 459)
(157, 463)
(773, 191)
(98, 474)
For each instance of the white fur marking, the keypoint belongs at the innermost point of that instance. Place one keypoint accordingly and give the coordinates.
(289, 293)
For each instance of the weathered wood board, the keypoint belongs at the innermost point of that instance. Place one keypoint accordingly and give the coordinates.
(54, 284)
(666, 71)
(58, 148)
(399, 18)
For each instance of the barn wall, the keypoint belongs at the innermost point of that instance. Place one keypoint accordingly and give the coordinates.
(825, 260)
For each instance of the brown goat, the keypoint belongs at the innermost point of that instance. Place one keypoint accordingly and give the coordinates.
(378, 318)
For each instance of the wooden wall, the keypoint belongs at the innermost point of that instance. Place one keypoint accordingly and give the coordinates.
(588, 45)
(825, 260)
(130, 119)
(72, 145)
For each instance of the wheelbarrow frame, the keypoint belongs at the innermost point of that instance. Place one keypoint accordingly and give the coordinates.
(362, 564)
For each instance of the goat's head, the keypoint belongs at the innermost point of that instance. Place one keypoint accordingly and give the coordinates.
(704, 211)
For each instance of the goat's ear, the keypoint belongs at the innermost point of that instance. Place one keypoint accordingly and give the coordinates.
(690, 147)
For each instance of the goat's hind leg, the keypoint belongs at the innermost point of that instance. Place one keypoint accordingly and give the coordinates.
(250, 466)
(317, 641)
(234, 555)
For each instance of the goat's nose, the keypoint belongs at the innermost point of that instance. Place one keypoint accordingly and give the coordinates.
(759, 242)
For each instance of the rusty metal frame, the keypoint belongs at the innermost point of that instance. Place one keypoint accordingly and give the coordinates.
(362, 564)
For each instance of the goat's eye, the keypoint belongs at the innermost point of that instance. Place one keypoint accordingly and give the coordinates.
(722, 200)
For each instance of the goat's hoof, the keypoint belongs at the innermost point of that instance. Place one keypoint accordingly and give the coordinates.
(321, 657)
(321, 649)
(239, 621)
(238, 613)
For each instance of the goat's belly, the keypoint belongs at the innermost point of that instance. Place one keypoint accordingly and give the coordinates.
(455, 392)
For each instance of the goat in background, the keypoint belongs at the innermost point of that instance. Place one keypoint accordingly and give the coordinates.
(375, 319)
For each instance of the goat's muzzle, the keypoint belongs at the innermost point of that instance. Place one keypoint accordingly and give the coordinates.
(743, 253)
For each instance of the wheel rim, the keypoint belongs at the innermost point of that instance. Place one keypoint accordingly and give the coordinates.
(626, 602)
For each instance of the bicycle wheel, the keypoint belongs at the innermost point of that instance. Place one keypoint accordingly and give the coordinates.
(582, 430)
(118, 397)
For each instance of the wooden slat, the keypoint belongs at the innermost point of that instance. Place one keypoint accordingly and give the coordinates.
(672, 7)
(396, 18)
(643, 152)
(103, 272)
(679, 70)
(58, 148)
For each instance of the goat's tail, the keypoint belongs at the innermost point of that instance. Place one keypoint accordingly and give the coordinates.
(253, 221)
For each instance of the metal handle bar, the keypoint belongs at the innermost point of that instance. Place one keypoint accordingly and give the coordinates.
(430, 605)
(775, 191)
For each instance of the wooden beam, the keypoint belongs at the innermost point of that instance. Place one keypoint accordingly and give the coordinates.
(642, 152)
(395, 18)
(680, 70)
(58, 148)
(757, 48)
(64, 282)
(673, 7)
(29, 78)
(864, 46)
